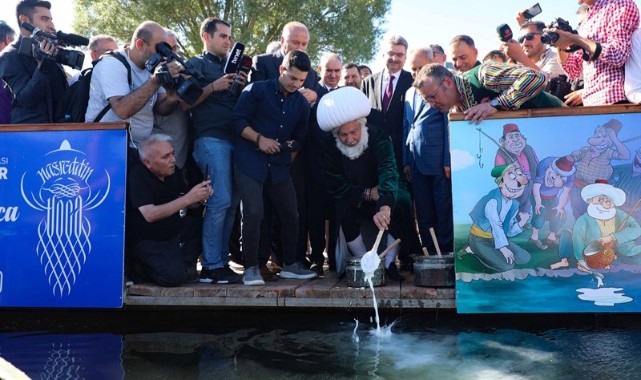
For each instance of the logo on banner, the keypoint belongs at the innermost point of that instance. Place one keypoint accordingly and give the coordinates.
(65, 187)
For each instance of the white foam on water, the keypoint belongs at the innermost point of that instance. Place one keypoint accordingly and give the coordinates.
(603, 296)
(355, 337)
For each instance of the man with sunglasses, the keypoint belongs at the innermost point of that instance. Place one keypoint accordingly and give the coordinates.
(483, 90)
(531, 52)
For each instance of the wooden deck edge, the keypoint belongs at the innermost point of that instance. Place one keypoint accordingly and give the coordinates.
(291, 302)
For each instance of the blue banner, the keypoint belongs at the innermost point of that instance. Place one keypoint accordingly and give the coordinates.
(62, 211)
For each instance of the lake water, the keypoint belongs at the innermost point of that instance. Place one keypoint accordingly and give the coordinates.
(326, 344)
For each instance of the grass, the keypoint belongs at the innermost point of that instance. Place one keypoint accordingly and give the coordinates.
(539, 258)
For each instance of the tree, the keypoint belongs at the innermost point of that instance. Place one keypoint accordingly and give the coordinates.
(350, 28)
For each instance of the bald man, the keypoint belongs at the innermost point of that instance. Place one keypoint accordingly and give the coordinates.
(137, 102)
(295, 36)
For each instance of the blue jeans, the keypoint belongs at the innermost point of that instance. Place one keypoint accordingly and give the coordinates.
(215, 156)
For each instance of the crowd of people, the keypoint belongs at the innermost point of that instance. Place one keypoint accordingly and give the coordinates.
(289, 173)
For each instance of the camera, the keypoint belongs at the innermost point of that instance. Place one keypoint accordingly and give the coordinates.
(559, 87)
(550, 38)
(187, 89)
(71, 58)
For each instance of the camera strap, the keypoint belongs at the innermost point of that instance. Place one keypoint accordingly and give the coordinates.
(595, 56)
(123, 60)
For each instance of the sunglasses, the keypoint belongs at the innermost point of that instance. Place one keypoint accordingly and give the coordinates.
(529, 37)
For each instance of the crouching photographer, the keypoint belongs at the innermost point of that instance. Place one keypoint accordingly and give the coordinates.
(34, 73)
(123, 90)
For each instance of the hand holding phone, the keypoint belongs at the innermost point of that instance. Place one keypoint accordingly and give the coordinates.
(532, 11)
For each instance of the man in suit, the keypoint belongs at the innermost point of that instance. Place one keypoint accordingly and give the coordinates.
(351, 75)
(387, 95)
(266, 66)
(318, 203)
(426, 161)
(37, 82)
(330, 69)
(295, 36)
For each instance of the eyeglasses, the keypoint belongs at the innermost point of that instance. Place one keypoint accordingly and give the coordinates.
(431, 98)
(529, 37)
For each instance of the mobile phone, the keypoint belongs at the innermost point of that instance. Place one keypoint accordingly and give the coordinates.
(532, 11)
(206, 176)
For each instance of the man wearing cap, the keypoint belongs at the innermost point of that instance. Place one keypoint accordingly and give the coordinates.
(494, 220)
(593, 161)
(361, 172)
(484, 90)
(551, 192)
(515, 150)
(602, 222)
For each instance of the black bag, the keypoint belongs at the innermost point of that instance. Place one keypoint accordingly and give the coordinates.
(74, 106)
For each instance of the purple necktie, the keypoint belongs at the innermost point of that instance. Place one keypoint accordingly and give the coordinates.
(388, 93)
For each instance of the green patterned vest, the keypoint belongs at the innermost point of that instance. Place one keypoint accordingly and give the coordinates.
(473, 92)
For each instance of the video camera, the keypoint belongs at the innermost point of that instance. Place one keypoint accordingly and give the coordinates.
(550, 38)
(71, 58)
(187, 89)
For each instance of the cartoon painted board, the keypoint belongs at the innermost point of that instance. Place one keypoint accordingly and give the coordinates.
(540, 264)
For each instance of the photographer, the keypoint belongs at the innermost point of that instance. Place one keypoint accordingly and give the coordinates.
(7, 36)
(136, 103)
(531, 52)
(37, 82)
(605, 39)
(211, 118)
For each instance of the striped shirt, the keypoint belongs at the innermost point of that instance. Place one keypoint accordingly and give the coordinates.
(514, 84)
(610, 23)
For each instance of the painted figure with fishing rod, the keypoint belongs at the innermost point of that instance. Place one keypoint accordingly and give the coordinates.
(495, 220)
(514, 149)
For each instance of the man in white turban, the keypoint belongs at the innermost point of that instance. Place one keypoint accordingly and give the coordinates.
(361, 173)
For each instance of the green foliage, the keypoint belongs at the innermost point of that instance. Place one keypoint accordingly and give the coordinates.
(350, 28)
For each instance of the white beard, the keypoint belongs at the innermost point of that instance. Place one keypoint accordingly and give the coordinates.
(599, 213)
(353, 152)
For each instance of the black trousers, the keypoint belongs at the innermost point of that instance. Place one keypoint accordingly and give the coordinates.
(282, 197)
(165, 262)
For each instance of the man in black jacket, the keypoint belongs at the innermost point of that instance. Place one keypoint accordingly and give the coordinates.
(37, 82)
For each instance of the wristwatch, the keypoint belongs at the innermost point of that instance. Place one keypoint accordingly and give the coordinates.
(495, 103)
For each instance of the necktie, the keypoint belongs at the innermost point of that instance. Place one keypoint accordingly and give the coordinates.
(388, 93)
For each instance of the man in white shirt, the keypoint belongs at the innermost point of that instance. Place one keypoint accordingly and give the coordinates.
(531, 52)
(632, 84)
(136, 103)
